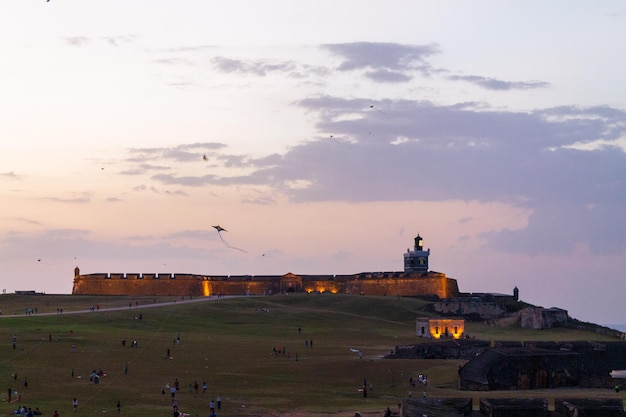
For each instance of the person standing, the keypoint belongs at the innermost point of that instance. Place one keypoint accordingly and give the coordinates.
(219, 402)
(74, 404)
(212, 406)
(119, 406)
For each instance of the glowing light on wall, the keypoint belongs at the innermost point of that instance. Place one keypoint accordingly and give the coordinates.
(206, 289)
(446, 328)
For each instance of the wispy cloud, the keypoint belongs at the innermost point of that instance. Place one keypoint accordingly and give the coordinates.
(259, 67)
(11, 175)
(384, 61)
(119, 40)
(494, 84)
(77, 40)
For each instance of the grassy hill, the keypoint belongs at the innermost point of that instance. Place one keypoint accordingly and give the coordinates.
(229, 344)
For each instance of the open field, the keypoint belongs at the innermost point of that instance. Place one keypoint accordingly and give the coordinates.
(228, 343)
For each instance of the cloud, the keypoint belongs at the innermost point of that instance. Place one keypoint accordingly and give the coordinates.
(77, 40)
(11, 175)
(387, 76)
(80, 198)
(258, 67)
(392, 57)
(173, 61)
(191, 48)
(119, 40)
(494, 84)
(111, 40)
(182, 153)
(463, 152)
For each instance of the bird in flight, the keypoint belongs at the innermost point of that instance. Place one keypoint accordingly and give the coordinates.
(220, 229)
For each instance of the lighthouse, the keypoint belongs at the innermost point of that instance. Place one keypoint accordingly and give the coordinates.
(416, 260)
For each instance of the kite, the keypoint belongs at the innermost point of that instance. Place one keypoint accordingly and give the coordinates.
(372, 107)
(360, 357)
(220, 229)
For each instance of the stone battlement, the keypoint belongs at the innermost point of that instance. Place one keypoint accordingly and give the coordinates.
(370, 283)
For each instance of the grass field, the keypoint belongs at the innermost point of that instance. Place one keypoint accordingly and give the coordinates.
(228, 343)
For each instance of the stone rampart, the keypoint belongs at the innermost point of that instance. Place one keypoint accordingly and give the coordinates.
(380, 283)
(479, 308)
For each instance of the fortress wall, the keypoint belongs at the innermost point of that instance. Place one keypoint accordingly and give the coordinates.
(144, 286)
(94, 277)
(487, 310)
(240, 286)
(442, 287)
(198, 285)
(333, 287)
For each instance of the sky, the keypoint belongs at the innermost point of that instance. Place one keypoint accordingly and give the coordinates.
(323, 136)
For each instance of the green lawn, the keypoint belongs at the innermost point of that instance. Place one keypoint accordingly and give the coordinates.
(228, 343)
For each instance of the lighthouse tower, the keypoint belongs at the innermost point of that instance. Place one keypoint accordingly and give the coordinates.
(416, 260)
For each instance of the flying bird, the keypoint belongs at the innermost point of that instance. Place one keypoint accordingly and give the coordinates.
(220, 229)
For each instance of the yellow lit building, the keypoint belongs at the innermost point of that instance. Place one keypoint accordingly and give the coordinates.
(439, 328)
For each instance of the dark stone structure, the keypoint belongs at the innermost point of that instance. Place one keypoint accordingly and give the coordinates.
(511, 407)
(514, 407)
(577, 407)
(537, 365)
(436, 407)
(444, 349)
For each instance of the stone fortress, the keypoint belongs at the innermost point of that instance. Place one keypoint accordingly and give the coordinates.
(415, 280)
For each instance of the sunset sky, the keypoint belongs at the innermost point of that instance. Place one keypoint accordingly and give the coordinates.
(323, 135)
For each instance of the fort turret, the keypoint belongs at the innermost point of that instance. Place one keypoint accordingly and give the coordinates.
(416, 260)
